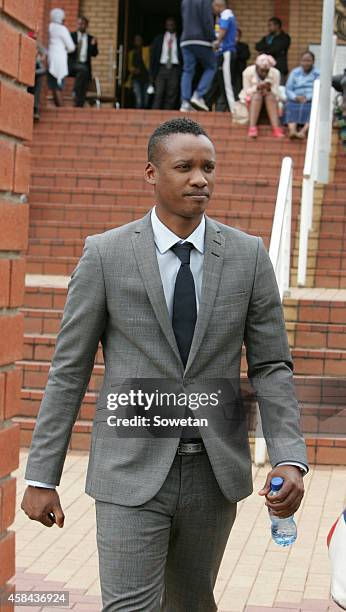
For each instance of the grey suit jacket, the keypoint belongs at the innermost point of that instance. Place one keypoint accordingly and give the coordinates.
(115, 296)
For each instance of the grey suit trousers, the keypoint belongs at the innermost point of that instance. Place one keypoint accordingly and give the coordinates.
(164, 555)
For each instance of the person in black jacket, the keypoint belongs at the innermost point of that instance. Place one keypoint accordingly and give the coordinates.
(197, 47)
(80, 59)
(276, 44)
(239, 63)
(165, 67)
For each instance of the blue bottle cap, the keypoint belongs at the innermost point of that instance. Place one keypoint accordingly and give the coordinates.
(276, 483)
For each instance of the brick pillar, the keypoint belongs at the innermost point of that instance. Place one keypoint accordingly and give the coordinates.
(17, 63)
(282, 10)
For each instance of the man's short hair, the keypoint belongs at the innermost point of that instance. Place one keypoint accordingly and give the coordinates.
(180, 125)
(83, 18)
(277, 21)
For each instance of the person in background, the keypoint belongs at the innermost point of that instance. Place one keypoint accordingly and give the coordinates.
(80, 60)
(225, 46)
(60, 44)
(261, 86)
(276, 44)
(299, 90)
(339, 84)
(197, 47)
(238, 63)
(138, 67)
(40, 70)
(165, 67)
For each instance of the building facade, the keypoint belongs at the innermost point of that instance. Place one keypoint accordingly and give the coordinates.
(115, 22)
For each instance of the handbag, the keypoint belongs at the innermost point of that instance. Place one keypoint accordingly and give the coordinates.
(336, 542)
(240, 113)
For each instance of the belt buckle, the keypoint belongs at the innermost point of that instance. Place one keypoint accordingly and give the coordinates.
(190, 448)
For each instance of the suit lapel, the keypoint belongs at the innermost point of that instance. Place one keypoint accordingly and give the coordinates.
(144, 249)
(212, 266)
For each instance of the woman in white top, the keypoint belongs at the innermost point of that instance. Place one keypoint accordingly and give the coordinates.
(59, 45)
(261, 86)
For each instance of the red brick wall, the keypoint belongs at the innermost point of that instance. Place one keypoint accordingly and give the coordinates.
(71, 8)
(17, 61)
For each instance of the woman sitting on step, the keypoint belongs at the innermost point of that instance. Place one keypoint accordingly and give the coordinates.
(261, 83)
(299, 89)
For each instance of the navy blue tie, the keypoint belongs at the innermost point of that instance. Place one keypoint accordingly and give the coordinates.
(184, 301)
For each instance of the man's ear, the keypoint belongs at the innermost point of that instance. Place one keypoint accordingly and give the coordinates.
(150, 173)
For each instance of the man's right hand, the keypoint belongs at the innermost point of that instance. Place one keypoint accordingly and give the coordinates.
(37, 502)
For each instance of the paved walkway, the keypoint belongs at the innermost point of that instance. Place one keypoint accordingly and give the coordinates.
(255, 575)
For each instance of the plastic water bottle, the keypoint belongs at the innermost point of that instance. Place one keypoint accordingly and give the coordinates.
(284, 530)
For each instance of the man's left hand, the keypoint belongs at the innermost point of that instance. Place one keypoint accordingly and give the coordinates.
(287, 501)
(94, 41)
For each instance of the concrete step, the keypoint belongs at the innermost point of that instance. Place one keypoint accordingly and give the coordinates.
(135, 137)
(334, 205)
(80, 438)
(30, 401)
(122, 207)
(268, 166)
(321, 362)
(35, 375)
(118, 213)
(331, 260)
(331, 278)
(319, 311)
(41, 321)
(241, 151)
(75, 188)
(64, 180)
(328, 241)
(63, 231)
(333, 223)
(316, 335)
(41, 347)
(50, 299)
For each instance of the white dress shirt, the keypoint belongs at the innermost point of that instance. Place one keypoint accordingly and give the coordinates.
(169, 265)
(164, 52)
(83, 55)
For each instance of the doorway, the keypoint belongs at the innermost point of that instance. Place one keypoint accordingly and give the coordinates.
(144, 17)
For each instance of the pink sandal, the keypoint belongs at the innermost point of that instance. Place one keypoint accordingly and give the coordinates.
(252, 132)
(278, 132)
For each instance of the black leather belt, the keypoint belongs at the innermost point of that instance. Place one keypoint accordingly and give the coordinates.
(192, 446)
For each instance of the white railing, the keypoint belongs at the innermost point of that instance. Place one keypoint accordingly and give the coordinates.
(280, 254)
(309, 179)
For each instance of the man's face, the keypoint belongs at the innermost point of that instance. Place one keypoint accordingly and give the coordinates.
(273, 27)
(218, 7)
(138, 41)
(170, 26)
(82, 25)
(184, 177)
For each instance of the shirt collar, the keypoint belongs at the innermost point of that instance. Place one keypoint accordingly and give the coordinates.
(165, 238)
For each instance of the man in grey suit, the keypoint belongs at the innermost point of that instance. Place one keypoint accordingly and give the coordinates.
(171, 297)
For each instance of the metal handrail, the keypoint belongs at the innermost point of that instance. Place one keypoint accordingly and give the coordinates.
(309, 178)
(280, 254)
